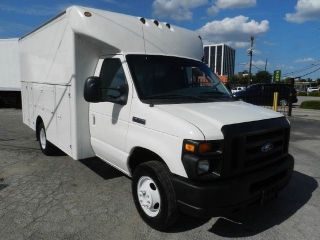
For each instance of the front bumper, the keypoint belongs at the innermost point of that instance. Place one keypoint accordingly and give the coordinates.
(223, 196)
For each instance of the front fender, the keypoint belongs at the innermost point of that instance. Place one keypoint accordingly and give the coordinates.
(166, 146)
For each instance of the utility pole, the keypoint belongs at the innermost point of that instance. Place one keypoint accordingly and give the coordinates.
(265, 67)
(250, 52)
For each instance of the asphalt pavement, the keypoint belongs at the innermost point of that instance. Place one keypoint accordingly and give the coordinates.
(58, 198)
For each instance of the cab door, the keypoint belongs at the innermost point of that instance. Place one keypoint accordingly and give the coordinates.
(109, 121)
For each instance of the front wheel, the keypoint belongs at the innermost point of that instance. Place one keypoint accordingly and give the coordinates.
(154, 196)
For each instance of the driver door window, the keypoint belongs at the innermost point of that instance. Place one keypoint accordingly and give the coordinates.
(112, 77)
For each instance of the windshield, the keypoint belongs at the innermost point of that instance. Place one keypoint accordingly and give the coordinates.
(164, 78)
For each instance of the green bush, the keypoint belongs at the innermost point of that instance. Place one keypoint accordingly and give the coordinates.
(310, 105)
(314, 94)
(302, 94)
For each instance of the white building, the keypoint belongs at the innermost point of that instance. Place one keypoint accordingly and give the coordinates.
(220, 58)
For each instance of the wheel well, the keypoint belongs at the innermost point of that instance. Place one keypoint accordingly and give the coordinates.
(140, 155)
(39, 120)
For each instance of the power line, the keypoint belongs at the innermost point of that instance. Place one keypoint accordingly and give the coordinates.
(301, 70)
(258, 67)
(309, 73)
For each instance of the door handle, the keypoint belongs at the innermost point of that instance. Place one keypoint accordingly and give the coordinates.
(93, 119)
(139, 120)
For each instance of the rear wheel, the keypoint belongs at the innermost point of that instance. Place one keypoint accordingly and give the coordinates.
(46, 147)
(154, 195)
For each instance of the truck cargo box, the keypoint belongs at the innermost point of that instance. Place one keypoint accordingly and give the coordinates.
(57, 57)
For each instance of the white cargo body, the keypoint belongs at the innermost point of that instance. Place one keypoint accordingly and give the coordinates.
(9, 65)
(57, 58)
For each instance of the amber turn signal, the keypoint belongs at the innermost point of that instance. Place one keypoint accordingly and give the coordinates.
(205, 148)
(188, 147)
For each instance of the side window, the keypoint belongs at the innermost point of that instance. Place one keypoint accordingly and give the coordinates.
(253, 89)
(112, 76)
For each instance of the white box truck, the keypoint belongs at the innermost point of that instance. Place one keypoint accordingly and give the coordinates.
(135, 93)
(10, 83)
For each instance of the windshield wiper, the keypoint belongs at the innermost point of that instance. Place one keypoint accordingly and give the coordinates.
(163, 96)
(216, 95)
(175, 96)
(213, 93)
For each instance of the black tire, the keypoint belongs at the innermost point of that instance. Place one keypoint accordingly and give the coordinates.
(168, 212)
(47, 148)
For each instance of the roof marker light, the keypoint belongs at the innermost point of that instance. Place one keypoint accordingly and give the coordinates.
(143, 20)
(87, 14)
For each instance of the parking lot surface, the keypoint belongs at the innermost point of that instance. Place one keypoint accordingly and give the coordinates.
(306, 98)
(58, 198)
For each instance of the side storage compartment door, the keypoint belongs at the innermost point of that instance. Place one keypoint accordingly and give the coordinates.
(31, 105)
(25, 103)
(42, 102)
(63, 121)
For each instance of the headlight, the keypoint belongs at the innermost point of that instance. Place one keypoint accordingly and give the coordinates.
(203, 166)
(202, 148)
(201, 158)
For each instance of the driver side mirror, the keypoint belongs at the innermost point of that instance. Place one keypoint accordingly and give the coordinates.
(92, 90)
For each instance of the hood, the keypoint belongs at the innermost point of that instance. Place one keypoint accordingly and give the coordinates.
(211, 117)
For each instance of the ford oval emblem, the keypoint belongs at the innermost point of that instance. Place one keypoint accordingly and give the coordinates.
(267, 147)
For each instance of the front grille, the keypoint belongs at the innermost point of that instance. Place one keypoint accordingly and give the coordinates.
(244, 143)
(253, 144)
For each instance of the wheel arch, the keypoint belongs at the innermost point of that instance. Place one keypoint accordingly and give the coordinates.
(140, 155)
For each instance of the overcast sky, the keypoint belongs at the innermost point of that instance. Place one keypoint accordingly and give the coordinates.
(287, 32)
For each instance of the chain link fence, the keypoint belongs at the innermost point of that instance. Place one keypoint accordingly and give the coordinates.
(278, 96)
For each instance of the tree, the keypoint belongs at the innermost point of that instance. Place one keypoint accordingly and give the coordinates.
(262, 77)
(287, 80)
(239, 80)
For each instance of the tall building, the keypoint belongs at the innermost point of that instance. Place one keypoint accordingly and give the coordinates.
(220, 58)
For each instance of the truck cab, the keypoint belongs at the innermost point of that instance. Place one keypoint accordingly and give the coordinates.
(173, 126)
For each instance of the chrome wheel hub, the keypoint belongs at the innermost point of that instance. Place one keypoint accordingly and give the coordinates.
(43, 140)
(148, 196)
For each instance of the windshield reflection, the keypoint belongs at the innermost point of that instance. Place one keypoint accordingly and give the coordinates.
(173, 78)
